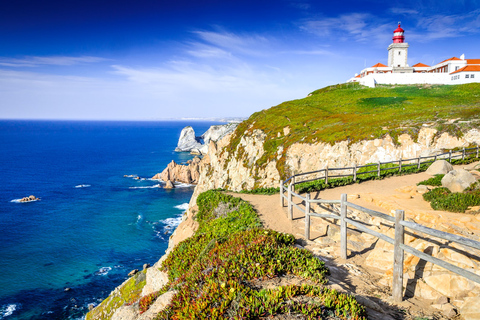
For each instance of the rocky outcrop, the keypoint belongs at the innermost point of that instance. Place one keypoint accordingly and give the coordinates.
(439, 167)
(188, 173)
(458, 180)
(187, 140)
(29, 199)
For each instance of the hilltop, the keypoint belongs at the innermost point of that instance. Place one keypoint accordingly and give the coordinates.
(352, 113)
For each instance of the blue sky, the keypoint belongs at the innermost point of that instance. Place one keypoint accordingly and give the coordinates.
(156, 59)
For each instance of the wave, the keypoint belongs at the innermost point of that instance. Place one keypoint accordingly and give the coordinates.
(171, 223)
(83, 186)
(103, 271)
(183, 185)
(183, 206)
(7, 310)
(20, 201)
(147, 187)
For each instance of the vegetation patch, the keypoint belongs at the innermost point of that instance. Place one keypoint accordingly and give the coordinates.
(443, 199)
(336, 113)
(435, 181)
(213, 270)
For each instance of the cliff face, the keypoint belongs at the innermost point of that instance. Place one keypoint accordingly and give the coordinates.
(242, 169)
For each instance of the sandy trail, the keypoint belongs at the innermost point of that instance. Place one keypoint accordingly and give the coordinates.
(352, 275)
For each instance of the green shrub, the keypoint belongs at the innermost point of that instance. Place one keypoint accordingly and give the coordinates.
(443, 199)
(212, 270)
(435, 181)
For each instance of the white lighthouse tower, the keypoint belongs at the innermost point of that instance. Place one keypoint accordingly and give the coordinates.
(398, 52)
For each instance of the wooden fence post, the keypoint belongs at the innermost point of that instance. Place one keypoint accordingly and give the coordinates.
(355, 170)
(400, 165)
(450, 156)
(282, 202)
(435, 159)
(290, 205)
(307, 217)
(477, 152)
(343, 227)
(397, 283)
(326, 175)
(419, 160)
(463, 154)
(378, 169)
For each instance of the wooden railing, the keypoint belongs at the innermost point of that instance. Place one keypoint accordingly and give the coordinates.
(328, 173)
(399, 223)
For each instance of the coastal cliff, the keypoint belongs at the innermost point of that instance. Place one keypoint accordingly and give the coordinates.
(273, 144)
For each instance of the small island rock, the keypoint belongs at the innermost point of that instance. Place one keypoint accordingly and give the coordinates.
(169, 185)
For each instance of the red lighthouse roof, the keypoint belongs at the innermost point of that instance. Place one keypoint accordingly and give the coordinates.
(399, 29)
(398, 35)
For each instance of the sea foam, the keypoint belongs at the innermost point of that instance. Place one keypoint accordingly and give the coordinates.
(183, 206)
(103, 271)
(147, 187)
(83, 186)
(7, 310)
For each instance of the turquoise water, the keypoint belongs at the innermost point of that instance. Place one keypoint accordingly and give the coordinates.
(92, 224)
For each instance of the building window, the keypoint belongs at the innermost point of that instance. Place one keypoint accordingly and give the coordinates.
(456, 68)
(466, 76)
(399, 53)
(472, 76)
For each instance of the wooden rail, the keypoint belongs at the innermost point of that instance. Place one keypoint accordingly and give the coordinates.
(399, 223)
(328, 173)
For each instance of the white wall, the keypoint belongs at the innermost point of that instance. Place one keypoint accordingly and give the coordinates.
(416, 78)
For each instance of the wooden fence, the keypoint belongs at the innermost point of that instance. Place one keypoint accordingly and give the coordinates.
(329, 173)
(399, 223)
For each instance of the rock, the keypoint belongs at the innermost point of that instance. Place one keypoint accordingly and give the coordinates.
(29, 198)
(189, 173)
(470, 309)
(125, 313)
(146, 265)
(133, 272)
(458, 180)
(169, 185)
(91, 306)
(439, 167)
(449, 284)
(160, 303)
(187, 140)
(442, 300)
(67, 289)
(422, 189)
(214, 133)
(155, 280)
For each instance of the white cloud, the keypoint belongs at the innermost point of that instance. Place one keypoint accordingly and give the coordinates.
(353, 26)
(35, 61)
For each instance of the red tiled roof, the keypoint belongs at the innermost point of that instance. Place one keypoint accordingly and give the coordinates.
(467, 68)
(473, 61)
(357, 76)
(421, 65)
(379, 65)
(454, 58)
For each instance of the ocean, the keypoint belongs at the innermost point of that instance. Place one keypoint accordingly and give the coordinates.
(94, 222)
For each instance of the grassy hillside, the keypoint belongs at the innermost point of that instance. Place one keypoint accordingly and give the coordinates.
(352, 112)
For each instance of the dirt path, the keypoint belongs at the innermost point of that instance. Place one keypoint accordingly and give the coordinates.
(352, 275)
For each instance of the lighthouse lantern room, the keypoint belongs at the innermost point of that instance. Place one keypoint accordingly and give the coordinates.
(398, 50)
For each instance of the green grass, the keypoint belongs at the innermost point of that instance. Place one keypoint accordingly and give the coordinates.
(353, 113)
(213, 270)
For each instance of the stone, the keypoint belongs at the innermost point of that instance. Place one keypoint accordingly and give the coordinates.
(187, 140)
(442, 300)
(458, 180)
(67, 289)
(146, 265)
(470, 309)
(133, 272)
(160, 304)
(155, 280)
(422, 189)
(439, 167)
(449, 284)
(380, 259)
(124, 313)
(169, 185)
(91, 306)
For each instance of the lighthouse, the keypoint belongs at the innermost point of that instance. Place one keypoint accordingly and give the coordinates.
(398, 51)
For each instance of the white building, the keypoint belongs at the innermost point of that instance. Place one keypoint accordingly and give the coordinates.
(451, 71)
